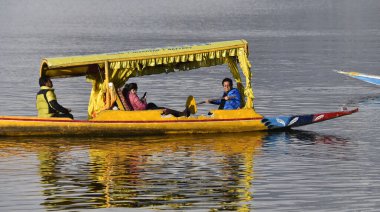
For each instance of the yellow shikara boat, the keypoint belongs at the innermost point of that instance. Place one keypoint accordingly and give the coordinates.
(116, 68)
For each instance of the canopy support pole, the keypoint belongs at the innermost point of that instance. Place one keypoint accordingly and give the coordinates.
(106, 81)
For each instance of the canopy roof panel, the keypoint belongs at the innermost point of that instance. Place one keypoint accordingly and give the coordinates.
(81, 65)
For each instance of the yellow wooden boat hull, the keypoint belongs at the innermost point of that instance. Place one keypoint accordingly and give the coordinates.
(151, 122)
(128, 123)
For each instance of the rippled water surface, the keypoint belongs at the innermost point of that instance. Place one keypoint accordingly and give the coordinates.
(294, 44)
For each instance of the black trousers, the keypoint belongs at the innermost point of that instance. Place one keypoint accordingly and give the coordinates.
(63, 115)
(152, 106)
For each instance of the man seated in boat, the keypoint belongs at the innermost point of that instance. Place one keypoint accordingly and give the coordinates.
(46, 101)
(231, 99)
(136, 103)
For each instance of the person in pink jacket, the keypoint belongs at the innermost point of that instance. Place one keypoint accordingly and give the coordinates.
(134, 100)
(136, 103)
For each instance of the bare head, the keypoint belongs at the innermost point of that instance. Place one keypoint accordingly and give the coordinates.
(227, 84)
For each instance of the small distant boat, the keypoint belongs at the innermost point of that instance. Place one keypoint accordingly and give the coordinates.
(373, 79)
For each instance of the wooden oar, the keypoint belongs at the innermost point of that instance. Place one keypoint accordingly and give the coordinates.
(191, 104)
(214, 99)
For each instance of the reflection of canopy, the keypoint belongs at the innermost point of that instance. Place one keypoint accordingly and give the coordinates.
(119, 67)
(137, 159)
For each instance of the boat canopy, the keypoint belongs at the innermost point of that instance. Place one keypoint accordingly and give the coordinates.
(101, 69)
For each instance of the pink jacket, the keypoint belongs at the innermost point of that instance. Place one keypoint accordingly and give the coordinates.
(136, 103)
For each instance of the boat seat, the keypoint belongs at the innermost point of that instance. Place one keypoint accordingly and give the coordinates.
(121, 101)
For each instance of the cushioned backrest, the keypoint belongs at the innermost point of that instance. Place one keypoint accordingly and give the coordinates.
(123, 101)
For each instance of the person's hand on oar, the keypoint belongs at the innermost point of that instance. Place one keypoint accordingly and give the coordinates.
(210, 100)
(215, 99)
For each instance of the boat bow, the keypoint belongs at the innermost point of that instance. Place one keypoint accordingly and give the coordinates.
(287, 122)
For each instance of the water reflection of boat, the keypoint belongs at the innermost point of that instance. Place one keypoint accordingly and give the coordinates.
(373, 79)
(303, 138)
(159, 172)
(108, 72)
(206, 172)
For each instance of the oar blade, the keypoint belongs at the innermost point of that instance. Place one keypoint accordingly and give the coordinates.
(191, 105)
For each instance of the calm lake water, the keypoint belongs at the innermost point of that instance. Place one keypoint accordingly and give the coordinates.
(294, 44)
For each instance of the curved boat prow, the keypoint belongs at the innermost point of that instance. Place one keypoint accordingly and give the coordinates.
(287, 122)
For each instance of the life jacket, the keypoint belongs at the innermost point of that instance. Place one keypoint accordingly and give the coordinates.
(44, 96)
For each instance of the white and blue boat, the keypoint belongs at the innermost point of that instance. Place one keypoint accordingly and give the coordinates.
(373, 79)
